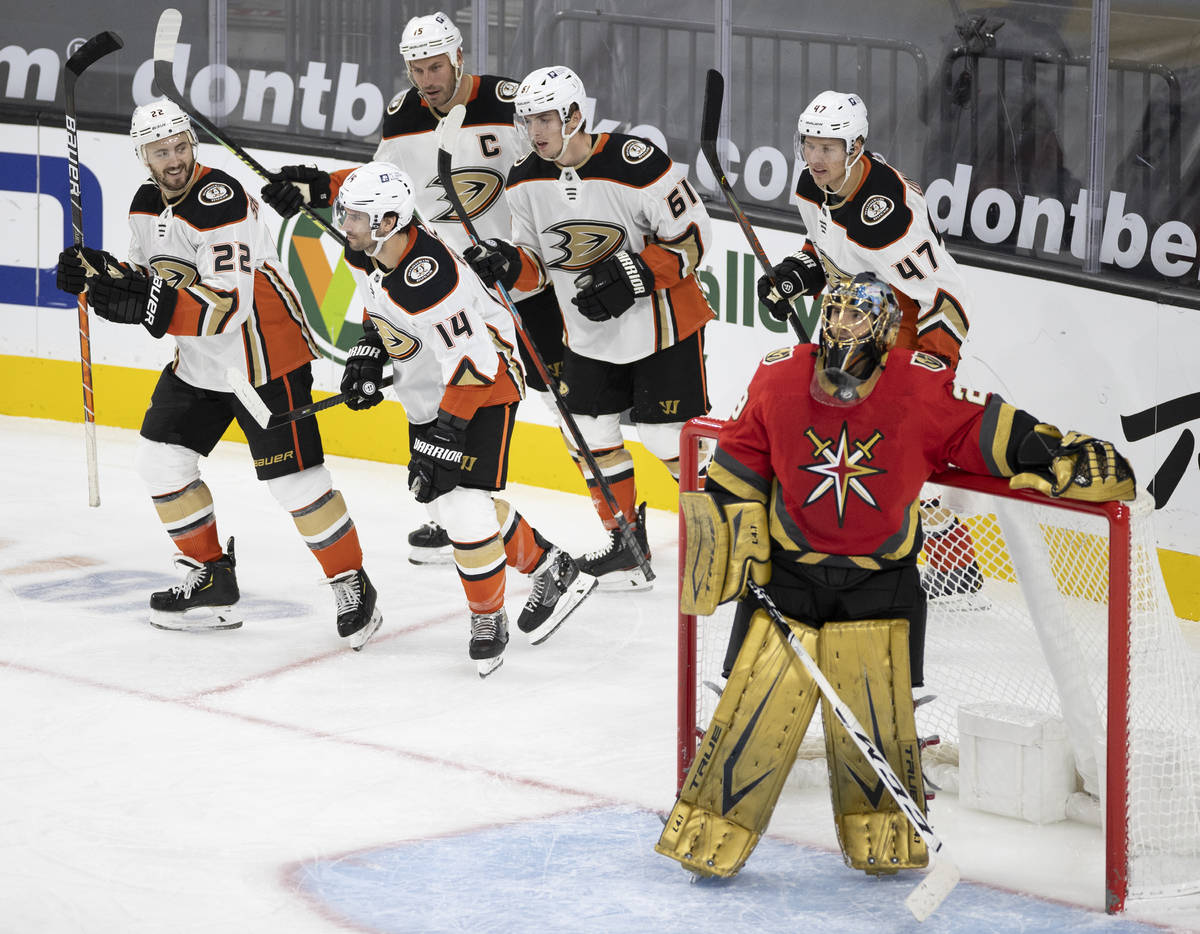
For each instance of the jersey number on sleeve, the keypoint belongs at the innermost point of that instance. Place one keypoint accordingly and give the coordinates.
(907, 267)
(458, 326)
(675, 200)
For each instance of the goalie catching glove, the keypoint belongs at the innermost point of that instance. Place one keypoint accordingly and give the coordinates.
(610, 288)
(134, 299)
(1075, 466)
(799, 274)
(78, 264)
(364, 370)
(436, 461)
(295, 186)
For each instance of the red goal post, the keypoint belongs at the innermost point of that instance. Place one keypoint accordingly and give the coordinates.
(1051, 630)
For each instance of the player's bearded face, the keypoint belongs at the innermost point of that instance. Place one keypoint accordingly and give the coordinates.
(171, 162)
(435, 79)
(356, 225)
(826, 159)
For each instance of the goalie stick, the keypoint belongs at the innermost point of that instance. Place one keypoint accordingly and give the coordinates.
(253, 403)
(83, 58)
(447, 133)
(714, 92)
(166, 37)
(943, 877)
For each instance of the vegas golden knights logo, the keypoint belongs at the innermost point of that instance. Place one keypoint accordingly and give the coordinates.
(477, 188)
(583, 243)
(842, 465)
(669, 406)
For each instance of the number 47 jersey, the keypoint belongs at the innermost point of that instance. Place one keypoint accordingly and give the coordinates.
(452, 345)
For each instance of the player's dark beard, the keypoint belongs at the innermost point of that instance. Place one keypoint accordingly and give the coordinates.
(170, 188)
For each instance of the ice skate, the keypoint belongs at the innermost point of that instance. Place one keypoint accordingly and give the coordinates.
(357, 617)
(615, 566)
(489, 636)
(558, 588)
(430, 545)
(205, 599)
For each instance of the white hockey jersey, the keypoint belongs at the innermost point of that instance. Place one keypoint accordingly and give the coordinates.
(451, 343)
(627, 194)
(883, 227)
(237, 307)
(485, 150)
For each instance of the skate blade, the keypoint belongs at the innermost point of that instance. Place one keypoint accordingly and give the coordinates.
(420, 556)
(197, 619)
(359, 639)
(631, 580)
(961, 602)
(583, 585)
(485, 666)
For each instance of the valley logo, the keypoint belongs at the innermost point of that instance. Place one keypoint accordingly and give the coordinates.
(323, 281)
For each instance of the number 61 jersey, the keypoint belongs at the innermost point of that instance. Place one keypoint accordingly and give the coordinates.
(452, 345)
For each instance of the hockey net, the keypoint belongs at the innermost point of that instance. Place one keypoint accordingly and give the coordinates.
(1071, 619)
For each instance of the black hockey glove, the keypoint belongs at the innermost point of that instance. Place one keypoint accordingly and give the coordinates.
(295, 186)
(78, 264)
(799, 274)
(364, 371)
(436, 461)
(134, 299)
(610, 288)
(494, 261)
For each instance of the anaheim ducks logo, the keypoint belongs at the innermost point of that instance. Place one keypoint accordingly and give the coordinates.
(420, 269)
(395, 103)
(215, 193)
(506, 91)
(635, 151)
(399, 344)
(584, 243)
(175, 272)
(477, 188)
(877, 207)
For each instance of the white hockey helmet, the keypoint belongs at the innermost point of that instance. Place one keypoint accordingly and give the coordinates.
(833, 115)
(158, 120)
(556, 88)
(427, 36)
(377, 189)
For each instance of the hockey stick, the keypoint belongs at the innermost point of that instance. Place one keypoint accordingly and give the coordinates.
(943, 877)
(447, 134)
(714, 92)
(253, 403)
(84, 57)
(165, 39)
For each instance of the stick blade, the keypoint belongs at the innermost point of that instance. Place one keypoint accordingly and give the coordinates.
(93, 50)
(937, 884)
(166, 36)
(714, 95)
(250, 400)
(447, 131)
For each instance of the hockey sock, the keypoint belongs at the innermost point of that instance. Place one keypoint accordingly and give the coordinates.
(327, 529)
(524, 546)
(481, 567)
(188, 517)
(616, 465)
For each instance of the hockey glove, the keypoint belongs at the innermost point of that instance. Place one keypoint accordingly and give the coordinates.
(436, 461)
(610, 288)
(799, 274)
(78, 264)
(134, 299)
(364, 371)
(494, 261)
(1079, 467)
(295, 186)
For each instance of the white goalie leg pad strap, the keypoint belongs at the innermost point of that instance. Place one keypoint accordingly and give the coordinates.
(166, 468)
(746, 754)
(867, 663)
(724, 546)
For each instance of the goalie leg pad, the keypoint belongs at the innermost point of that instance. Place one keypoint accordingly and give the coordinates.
(724, 547)
(747, 752)
(867, 663)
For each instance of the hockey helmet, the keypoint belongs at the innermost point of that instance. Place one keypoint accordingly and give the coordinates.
(860, 320)
(427, 36)
(833, 115)
(158, 120)
(556, 88)
(377, 189)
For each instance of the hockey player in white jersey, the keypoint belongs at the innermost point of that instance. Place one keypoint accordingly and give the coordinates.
(203, 268)
(451, 345)
(863, 215)
(488, 145)
(615, 225)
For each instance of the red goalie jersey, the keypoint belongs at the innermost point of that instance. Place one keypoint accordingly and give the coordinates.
(842, 482)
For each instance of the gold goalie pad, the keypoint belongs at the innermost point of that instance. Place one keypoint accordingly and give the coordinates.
(747, 752)
(723, 548)
(867, 663)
